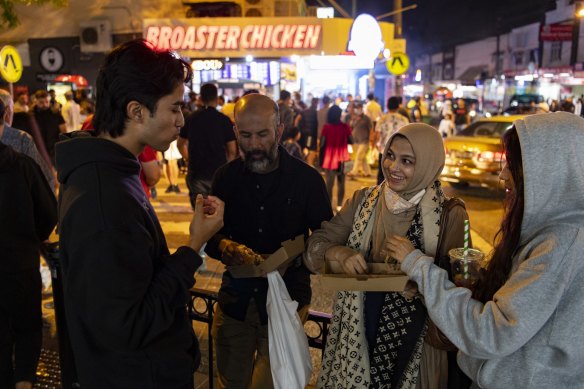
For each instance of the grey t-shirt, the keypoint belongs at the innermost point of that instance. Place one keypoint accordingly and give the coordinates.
(23, 143)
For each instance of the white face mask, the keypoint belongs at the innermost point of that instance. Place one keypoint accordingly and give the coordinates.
(358, 111)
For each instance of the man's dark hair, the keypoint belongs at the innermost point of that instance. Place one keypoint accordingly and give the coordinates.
(370, 97)
(326, 99)
(208, 93)
(41, 94)
(284, 95)
(393, 103)
(249, 92)
(134, 71)
(291, 133)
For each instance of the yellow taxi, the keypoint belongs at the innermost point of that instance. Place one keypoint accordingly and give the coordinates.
(475, 155)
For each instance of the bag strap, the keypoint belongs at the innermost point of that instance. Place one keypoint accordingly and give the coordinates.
(447, 207)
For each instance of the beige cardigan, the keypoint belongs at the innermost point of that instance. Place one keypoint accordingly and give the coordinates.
(336, 232)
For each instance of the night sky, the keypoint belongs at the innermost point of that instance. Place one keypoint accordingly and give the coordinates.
(439, 24)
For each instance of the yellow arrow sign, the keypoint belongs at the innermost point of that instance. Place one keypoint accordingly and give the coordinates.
(10, 64)
(398, 64)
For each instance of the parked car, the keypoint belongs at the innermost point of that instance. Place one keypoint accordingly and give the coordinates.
(523, 110)
(475, 155)
(525, 100)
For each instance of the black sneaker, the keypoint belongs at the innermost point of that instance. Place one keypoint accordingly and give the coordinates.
(176, 189)
(170, 189)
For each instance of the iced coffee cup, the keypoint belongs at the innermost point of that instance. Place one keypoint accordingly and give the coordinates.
(465, 268)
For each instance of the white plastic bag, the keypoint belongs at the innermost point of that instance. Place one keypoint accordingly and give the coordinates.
(289, 356)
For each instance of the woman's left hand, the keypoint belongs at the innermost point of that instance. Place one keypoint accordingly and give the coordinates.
(399, 247)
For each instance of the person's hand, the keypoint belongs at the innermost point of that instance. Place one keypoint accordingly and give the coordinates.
(207, 220)
(234, 253)
(410, 290)
(399, 247)
(350, 260)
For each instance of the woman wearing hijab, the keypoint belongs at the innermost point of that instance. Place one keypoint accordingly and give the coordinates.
(522, 328)
(334, 141)
(376, 339)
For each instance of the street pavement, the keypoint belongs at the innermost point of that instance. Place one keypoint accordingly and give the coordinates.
(174, 213)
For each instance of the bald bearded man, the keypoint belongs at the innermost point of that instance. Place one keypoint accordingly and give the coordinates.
(269, 197)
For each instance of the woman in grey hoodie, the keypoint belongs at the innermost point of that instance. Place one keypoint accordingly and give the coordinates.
(521, 326)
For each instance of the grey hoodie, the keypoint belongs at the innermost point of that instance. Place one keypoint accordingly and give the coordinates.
(530, 335)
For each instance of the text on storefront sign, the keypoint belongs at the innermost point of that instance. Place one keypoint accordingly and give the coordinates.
(279, 36)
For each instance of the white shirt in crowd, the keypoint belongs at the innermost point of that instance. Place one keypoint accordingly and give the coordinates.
(71, 114)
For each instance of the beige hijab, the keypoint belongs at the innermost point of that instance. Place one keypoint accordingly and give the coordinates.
(429, 152)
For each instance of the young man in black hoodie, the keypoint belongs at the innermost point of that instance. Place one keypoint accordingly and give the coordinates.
(125, 294)
(28, 212)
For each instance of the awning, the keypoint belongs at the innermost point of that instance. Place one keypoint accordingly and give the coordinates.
(473, 73)
(76, 79)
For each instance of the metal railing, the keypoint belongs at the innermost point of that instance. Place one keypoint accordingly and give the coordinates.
(317, 322)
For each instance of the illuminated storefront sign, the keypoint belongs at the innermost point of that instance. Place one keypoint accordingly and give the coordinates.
(207, 64)
(278, 36)
(275, 37)
(366, 40)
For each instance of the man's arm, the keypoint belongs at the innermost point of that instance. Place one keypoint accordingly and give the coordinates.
(183, 147)
(231, 150)
(152, 172)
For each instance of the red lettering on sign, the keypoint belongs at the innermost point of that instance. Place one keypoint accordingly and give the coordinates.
(257, 37)
(287, 36)
(221, 37)
(232, 38)
(177, 37)
(266, 44)
(312, 36)
(164, 39)
(200, 41)
(245, 37)
(212, 34)
(152, 35)
(276, 36)
(299, 38)
(189, 41)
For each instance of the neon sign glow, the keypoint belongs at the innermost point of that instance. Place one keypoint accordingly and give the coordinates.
(278, 36)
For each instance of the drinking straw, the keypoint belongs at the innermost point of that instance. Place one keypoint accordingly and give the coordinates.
(465, 253)
(466, 229)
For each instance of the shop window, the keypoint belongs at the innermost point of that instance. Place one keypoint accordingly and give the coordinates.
(518, 58)
(556, 51)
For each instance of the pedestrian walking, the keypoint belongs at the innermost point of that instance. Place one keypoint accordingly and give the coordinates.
(206, 142)
(387, 126)
(361, 127)
(29, 214)
(334, 153)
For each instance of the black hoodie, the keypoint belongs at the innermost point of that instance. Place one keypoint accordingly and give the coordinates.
(28, 211)
(125, 294)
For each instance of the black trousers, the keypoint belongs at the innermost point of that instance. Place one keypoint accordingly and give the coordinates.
(20, 326)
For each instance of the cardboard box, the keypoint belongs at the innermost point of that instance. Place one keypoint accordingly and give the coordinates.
(379, 279)
(290, 249)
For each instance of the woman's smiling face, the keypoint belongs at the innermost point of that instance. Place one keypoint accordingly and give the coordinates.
(399, 164)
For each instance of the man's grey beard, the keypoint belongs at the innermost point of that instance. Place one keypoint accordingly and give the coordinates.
(264, 165)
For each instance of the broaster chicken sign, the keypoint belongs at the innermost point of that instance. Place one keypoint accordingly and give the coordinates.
(235, 37)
